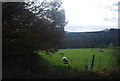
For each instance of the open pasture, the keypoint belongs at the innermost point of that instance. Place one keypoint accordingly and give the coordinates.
(78, 58)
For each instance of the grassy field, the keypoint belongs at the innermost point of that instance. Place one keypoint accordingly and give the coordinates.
(43, 66)
(78, 58)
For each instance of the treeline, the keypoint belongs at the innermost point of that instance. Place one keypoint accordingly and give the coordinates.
(99, 39)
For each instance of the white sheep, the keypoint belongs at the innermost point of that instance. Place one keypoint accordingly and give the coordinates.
(61, 53)
(101, 50)
(65, 60)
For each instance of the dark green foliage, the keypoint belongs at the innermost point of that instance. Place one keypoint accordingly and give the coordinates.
(91, 39)
(23, 32)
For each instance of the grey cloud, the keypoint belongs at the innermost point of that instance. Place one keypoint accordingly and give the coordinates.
(86, 28)
(113, 19)
(115, 9)
(117, 3)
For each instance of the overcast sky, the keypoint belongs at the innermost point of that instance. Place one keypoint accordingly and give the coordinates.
(90, 15)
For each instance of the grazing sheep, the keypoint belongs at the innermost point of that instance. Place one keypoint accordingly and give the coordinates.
(51, 51)
(101, 50)
(61, 53)
(65, 60)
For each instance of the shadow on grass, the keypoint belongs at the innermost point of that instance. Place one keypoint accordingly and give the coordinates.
(23, 66)
(61, 72)
(37, 67)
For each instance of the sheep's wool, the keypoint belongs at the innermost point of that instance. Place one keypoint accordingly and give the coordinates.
(65, 61)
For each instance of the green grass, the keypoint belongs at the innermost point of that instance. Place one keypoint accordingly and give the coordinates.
(79, 57)
(42, 66)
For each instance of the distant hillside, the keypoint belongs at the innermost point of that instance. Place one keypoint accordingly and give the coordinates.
(91, 39)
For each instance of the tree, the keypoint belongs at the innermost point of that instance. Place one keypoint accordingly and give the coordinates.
(25, 30)
(110, 46)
